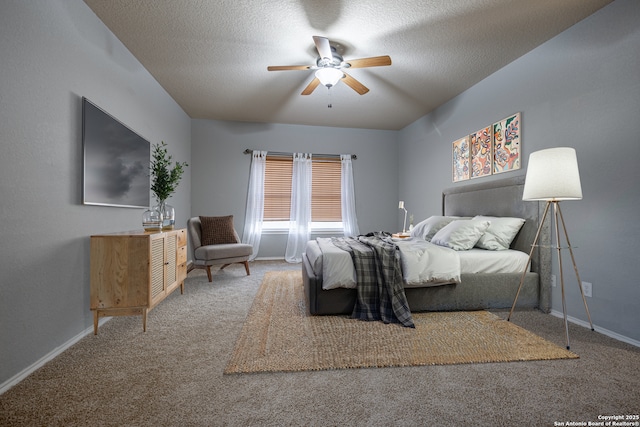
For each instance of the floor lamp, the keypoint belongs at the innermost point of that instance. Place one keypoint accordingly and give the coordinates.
(553, 176)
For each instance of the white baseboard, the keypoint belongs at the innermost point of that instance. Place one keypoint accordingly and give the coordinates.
(5, 386)
(603, 331)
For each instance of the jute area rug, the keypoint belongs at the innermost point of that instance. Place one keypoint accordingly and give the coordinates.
(279, 335)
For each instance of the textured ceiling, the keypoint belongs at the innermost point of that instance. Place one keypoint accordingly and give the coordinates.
(212, 56)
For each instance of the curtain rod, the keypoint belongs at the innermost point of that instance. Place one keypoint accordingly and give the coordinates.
(280, 153)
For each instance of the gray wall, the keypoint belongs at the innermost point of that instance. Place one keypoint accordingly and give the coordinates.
(53, 52)
(580, 89)
(221, 170)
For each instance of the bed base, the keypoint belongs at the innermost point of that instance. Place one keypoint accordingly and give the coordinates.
(475, 292)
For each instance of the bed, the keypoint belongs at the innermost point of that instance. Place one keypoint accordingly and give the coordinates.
(502, 198)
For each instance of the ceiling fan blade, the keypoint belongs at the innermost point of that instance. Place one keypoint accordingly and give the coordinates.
(376, 61)
(288, 67)
(323, 46)
(311, 86)
(354, 84)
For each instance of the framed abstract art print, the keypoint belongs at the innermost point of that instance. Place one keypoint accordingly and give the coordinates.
(480, 143)
(507, 144)
(460, 155)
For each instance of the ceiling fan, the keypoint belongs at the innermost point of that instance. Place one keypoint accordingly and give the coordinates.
(330, 67)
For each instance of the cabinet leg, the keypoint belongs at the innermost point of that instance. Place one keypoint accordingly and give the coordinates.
(95, 322)
(144, 320)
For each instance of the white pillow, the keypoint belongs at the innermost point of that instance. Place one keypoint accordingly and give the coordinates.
(500, 233)
(461, 235)
(427, 228)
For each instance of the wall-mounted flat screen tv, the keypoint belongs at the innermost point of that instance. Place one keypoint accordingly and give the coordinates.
(116, 161)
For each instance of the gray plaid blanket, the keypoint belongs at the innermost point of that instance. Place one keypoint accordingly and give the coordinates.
(376, 259)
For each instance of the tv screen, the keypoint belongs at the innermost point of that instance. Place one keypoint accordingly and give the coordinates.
(116, 161)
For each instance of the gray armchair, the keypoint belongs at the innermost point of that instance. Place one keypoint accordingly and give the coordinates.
(216, 242)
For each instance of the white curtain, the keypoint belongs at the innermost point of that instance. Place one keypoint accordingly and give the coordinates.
(255, 203)
(300, 216)
(348, 198)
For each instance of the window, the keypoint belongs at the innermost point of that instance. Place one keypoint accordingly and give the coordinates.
(326, 191)
(277, 188)
(326, 209)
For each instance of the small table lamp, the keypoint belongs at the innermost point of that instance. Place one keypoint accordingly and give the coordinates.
(553, 176)
(404, 224)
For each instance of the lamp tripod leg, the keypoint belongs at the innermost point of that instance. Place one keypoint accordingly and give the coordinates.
(575, 268)
(559, 252)
(564, 305)
(533, 247)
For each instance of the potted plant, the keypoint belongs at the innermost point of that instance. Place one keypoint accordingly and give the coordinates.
(164, 180)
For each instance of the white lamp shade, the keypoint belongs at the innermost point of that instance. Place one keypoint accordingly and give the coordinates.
(552, 174)
(329, 76)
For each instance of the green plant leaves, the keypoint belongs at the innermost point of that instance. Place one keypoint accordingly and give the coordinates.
(164, 180)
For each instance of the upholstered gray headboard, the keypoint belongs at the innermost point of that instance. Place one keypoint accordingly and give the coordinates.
(504, 198)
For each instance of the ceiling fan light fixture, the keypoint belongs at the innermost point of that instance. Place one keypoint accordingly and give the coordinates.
(329, 65)
(329, 76)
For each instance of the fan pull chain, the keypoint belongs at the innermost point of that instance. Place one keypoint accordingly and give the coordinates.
(329, 90)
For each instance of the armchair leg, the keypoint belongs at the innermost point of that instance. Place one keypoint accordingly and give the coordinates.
(208, 268)
(246, 267)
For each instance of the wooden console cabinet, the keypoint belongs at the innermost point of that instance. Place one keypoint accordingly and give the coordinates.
(132, 272)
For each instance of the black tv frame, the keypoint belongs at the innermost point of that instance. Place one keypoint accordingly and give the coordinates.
(116, 161)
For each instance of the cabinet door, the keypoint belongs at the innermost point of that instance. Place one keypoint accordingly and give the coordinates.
(171, 247)
(157, 270)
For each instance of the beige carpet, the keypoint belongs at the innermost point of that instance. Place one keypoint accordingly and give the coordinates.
(172, 375)
(279, 335)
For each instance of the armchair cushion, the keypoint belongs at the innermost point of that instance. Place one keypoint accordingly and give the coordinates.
(217, 230)
(223, 251)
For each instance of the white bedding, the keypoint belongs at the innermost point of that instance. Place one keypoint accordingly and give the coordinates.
(337, 267)
(423, 263)
(478, 260)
